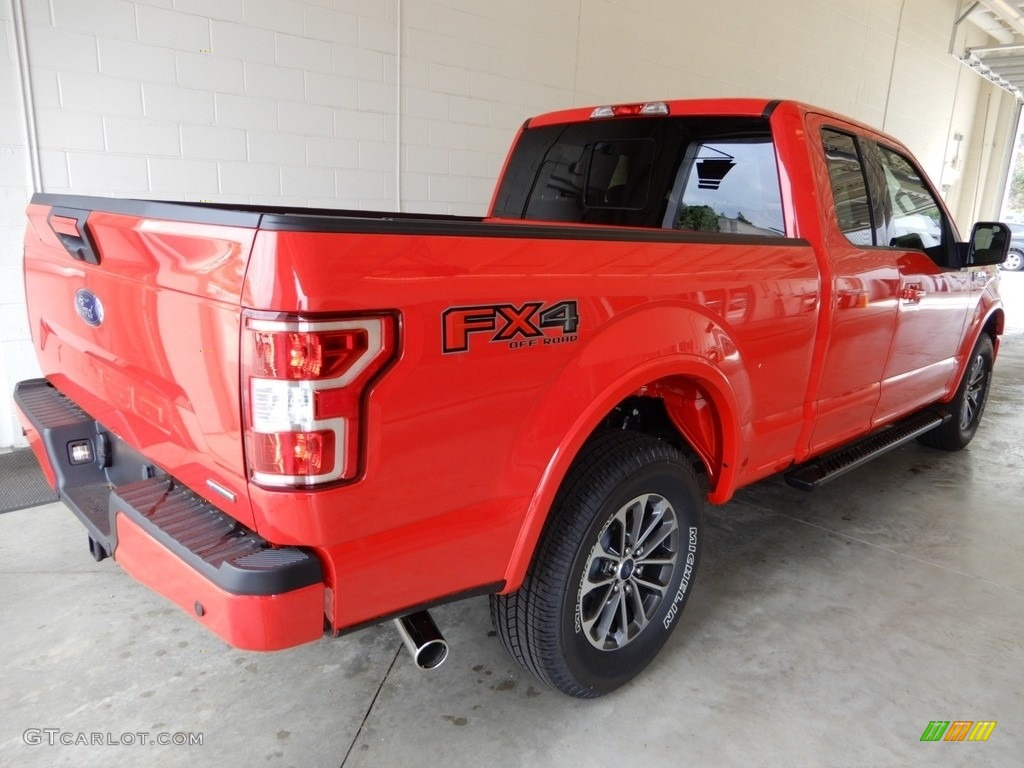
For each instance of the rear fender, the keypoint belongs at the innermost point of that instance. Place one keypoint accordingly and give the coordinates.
(678, 353)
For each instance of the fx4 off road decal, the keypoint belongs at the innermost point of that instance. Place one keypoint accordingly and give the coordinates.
(530, 325)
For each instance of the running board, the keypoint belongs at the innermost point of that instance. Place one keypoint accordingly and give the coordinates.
(819, 471)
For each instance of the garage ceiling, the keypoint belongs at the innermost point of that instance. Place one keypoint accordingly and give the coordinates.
(1003, 61)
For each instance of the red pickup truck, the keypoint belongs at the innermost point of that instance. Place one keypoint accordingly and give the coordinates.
(294, 422)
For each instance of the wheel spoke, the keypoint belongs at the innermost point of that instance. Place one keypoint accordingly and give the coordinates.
(639, 615)
(658, 514)
(606, 617)
(602, 607)
(606, 553)
(590, 586)
(600, 600)
(968, 416)
(624, 616)
(977, 372)
(636, 512)
(656, 561)
(622, 532)
(659, 537)
(650, 586)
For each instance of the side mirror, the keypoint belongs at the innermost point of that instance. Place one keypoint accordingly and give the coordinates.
(990, 242)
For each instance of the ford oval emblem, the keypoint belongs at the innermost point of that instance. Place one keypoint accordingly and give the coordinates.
(89, 306)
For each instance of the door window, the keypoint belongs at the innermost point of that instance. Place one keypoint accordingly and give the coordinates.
(849, 188)
(913, 218)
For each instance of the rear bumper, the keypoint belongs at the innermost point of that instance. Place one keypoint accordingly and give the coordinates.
(246, 591)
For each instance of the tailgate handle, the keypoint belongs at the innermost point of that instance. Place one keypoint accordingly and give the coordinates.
(69, 225)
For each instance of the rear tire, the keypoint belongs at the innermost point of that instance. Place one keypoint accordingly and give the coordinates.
(613, 569)
(968, 404)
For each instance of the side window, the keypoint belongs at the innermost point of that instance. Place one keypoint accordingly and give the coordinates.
(913, 218)
(731, 185)
(849, 187)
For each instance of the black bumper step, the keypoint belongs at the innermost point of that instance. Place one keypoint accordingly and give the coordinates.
(230, 555)
(83, 487)
(817, 472)
(49, 408)
(235, 558)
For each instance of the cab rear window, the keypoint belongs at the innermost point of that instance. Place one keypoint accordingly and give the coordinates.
(698, 173)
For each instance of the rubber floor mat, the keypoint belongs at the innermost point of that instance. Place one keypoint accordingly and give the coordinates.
(21, 482)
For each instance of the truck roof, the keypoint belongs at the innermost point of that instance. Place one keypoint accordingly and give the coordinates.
(736, 107)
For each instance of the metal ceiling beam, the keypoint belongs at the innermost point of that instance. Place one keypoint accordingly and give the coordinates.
(1000, 63)
(1003, 62)
(997, 48)
(1010, 13)
(993, 74)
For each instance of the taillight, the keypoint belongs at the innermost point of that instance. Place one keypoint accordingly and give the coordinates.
(304, 381)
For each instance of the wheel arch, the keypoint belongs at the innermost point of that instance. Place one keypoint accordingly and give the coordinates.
(989, 318)
(993, 325)
(705, 389)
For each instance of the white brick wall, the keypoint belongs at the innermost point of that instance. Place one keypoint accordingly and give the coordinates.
(16, 357)
(296, 101)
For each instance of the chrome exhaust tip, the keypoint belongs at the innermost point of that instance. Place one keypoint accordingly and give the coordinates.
(423, 639)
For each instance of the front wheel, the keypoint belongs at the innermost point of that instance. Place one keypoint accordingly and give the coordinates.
(969, 402)
(1014, 261)
(613, 569)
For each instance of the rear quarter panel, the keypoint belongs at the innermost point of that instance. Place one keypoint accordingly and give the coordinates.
(465, 449)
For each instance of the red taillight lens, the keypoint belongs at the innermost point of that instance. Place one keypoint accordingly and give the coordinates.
(304, 355)
(305, 381)
(294, 454)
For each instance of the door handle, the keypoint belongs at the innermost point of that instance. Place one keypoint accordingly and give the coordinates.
(69, 225)
(912, 294)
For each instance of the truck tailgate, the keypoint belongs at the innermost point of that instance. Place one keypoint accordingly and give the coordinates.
(134, 311)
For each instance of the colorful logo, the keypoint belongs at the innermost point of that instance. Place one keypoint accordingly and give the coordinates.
(531, 325)
(958, 730)
(89, 307)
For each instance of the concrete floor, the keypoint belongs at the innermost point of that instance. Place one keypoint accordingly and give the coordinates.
(826, 629)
